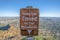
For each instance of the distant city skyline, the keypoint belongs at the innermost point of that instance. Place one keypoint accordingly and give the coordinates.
(47, 8)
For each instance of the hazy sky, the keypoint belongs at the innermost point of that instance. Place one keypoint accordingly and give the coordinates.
(47, 8)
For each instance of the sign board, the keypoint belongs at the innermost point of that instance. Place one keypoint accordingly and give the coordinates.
(29, 21)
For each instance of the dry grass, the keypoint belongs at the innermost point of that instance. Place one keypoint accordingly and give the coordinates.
(9, 33)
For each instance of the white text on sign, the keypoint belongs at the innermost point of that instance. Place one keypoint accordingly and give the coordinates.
(33, 18)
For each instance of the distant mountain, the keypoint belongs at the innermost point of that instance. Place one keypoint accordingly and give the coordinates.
(51, 24)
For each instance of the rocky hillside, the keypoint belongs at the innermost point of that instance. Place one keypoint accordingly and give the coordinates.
(12, 33)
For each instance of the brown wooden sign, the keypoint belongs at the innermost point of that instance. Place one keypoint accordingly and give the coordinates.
(29, 21)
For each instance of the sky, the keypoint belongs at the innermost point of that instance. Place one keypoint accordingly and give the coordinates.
(47, 8)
